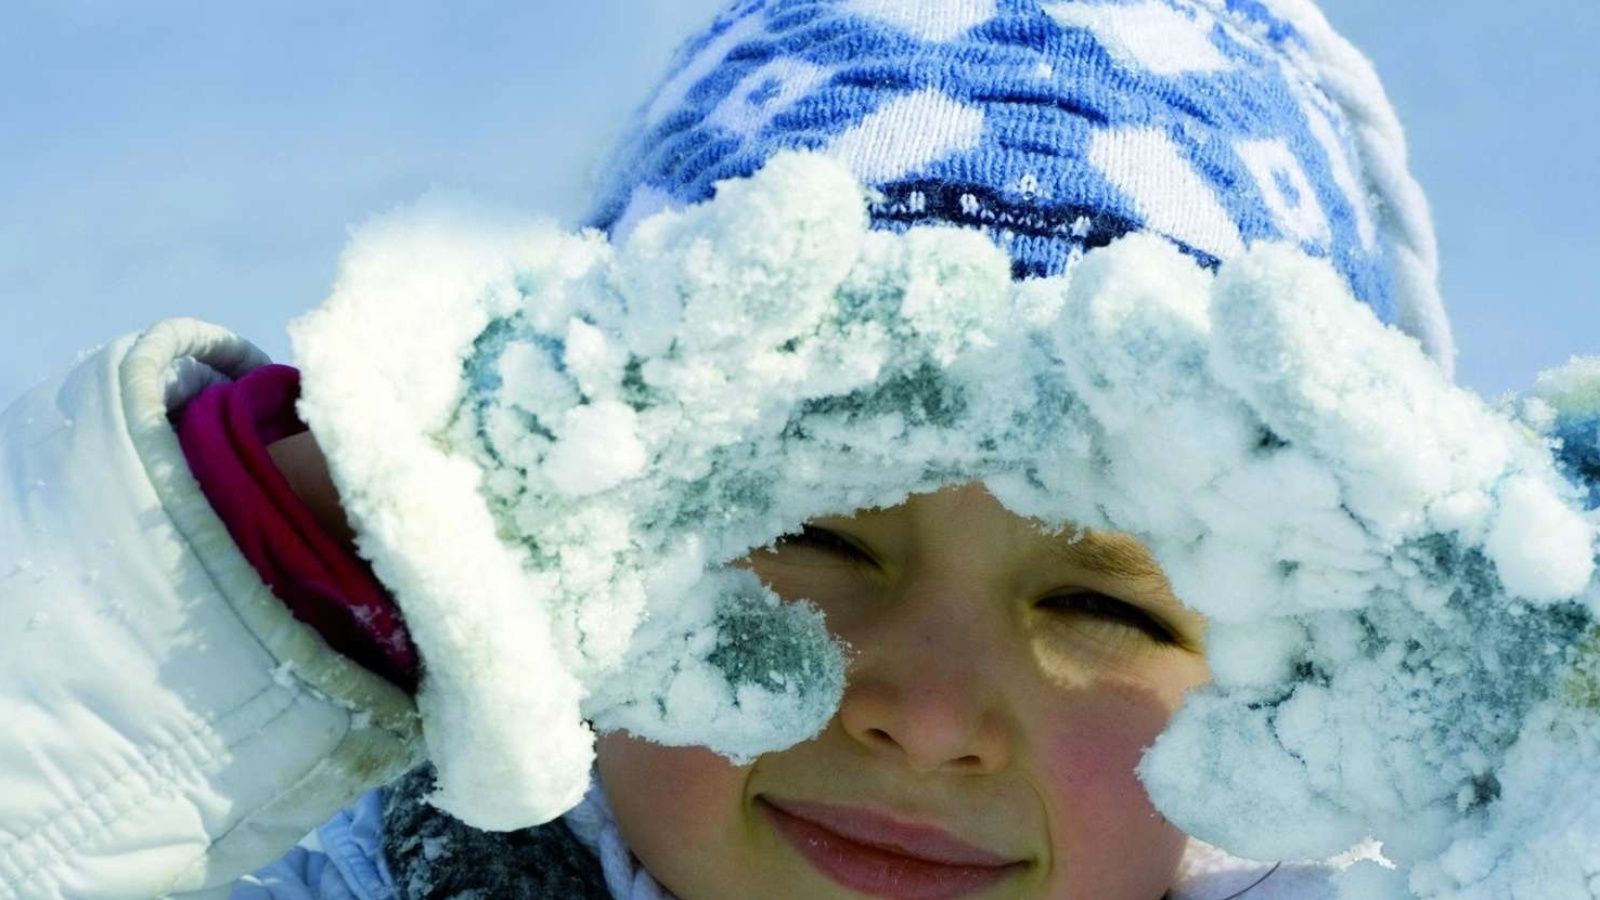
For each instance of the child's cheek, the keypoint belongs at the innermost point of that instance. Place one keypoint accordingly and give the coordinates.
(1104, 825)
(673, 804)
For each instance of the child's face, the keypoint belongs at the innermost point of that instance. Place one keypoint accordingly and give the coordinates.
(1003, 686)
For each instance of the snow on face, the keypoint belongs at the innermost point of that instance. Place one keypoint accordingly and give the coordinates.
(552, 448)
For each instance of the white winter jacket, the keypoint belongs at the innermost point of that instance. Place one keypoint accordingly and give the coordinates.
(168, 725)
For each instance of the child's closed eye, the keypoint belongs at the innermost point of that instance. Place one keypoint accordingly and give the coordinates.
(823, 540)
(1110, 610)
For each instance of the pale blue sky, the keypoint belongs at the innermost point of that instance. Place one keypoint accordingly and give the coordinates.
(189, 157)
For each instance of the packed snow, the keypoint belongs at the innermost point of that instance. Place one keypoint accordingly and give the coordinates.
(553, 446)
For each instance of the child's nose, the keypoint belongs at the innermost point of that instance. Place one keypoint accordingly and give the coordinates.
(923, 691)
(926, 728)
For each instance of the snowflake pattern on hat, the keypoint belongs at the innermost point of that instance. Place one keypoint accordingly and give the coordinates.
(1055, 127)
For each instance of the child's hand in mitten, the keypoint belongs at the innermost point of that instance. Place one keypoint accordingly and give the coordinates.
(553, 449)
(551, 485)
(1399, 578)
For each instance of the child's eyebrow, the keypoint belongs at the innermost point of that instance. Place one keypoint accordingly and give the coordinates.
(1110, 554)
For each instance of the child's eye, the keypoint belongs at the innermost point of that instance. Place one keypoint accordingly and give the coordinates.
(826, 541)
(1109, 609)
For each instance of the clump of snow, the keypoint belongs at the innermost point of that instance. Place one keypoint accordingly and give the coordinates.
(1573, 388)
(1566, 405)
(552, 447)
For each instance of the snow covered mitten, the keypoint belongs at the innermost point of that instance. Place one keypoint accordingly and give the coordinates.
(1399, 578)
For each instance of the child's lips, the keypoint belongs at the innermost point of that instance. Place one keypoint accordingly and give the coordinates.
(877, 855)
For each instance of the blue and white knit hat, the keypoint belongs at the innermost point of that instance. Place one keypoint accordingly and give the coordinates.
(1058, 126)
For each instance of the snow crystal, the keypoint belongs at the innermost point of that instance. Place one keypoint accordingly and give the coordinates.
(553, 447)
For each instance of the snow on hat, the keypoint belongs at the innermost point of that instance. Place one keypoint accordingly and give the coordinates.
(1057, 126)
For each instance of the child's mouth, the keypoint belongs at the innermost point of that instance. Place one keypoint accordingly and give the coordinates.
(874, 855)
